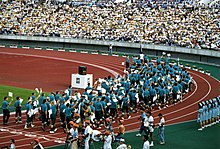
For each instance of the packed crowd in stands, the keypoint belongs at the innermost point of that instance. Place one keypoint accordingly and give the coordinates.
(174, 23)
(209, 112)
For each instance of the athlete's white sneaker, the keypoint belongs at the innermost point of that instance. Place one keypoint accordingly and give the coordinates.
(152, 144)
(32, 125)
(25, 127)
(55, 129)
(162, 143)
(51, 131)
(200, 129)
(129, 117)
(138, 135)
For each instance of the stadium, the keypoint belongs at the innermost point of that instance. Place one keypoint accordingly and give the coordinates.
(115, 74)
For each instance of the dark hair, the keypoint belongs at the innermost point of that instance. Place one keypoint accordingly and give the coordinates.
(149, 112)
(146, 137)
(5, 97)
(12, 140)
(160, 114)
(44, 101)
(18, 98)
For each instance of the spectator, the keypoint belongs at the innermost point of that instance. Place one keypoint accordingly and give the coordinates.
(107, 140)
(74, 135)
(161, 128)
(172, 23)
(12, 144)
(36, 144)
(146, 144)
(122, 144)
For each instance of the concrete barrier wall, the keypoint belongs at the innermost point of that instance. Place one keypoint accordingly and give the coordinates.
(200, 55)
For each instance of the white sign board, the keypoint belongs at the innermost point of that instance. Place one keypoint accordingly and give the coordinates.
(81, 81)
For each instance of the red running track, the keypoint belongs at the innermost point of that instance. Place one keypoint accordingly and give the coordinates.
(51, 70)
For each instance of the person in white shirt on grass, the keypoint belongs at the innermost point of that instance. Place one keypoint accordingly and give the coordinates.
(122, 144)
(146, 144)
(151, 126)
(107, 140)
(87, 133)
(161, 128)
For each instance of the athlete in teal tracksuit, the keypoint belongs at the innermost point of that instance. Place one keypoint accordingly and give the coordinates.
(29, 114)
(17, 106)
(44, 109)
(6, 112)
(53, 108)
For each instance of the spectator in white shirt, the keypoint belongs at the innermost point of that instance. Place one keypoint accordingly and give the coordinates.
(107, 140)
(74, 135)
(87, 133)
(161, 128)
(151, 126)
(122, 144)
(146, 144)
(12, 144)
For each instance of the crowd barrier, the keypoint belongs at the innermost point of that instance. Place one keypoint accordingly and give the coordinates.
(71, 44)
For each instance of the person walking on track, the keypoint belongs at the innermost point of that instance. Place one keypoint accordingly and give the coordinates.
(6, 112)
(29, 113)
(151, 126)
(18, 106)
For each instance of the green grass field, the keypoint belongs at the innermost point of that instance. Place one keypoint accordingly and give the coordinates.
(179, 136)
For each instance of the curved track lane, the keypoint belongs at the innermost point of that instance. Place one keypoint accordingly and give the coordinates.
(56, 67)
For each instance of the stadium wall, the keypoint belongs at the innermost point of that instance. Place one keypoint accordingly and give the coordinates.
(198, 55)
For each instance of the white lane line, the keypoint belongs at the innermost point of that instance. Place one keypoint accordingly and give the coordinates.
(63, 59)
(179, 109)
(210, 88)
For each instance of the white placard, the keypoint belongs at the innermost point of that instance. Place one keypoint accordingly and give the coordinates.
(35, 110)
(10, 94)
(21, 100)
(50, 112)
(37, 90)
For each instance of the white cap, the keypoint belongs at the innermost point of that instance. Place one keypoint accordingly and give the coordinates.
(122, 140)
